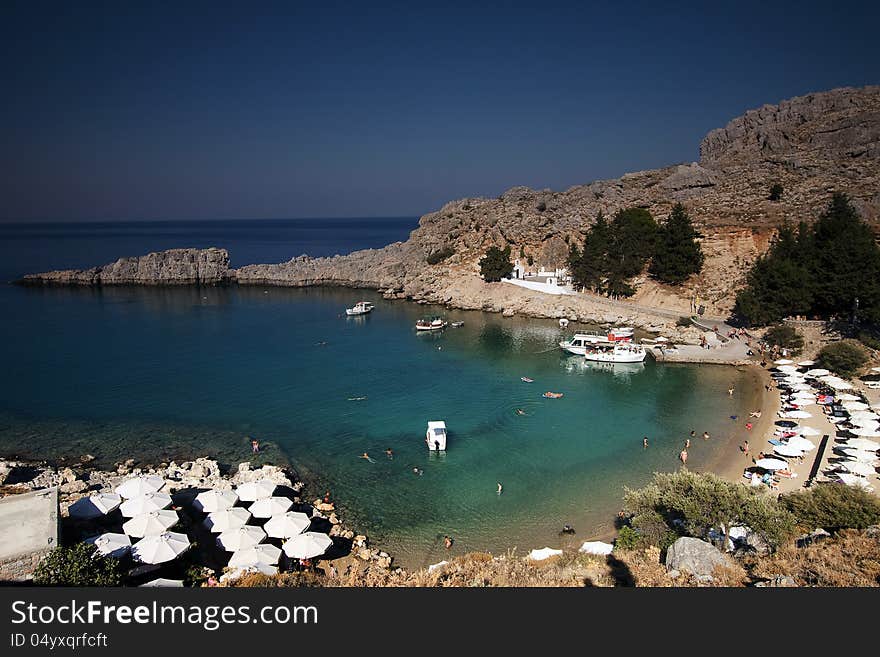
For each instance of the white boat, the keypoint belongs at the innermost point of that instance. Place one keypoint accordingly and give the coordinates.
(622, 352)
(436, 436)
(432, 324)
(580, 343)
(360, 308)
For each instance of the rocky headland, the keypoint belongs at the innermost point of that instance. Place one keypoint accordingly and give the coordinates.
(811, 145)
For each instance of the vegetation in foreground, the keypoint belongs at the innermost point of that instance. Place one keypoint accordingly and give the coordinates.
(846, 357)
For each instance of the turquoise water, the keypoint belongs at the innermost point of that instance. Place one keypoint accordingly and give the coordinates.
(169, 373)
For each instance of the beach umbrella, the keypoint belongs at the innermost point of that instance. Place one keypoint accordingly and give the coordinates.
(837, 384)
(798, 415)
(137, 486)
(94, 506)
(307, 545)
(287, 524)
(855, 406)
(270, 506)
(596, 547)
(144, 504)
(151, 523)
(858, 468)
(788, 369)
(800, 443)
(263, 554)
(875, 369)
(240, 538)
(806, 363)
(787, 450)
(809, 431)
(818, 372)
(857, 455)
(163, 582)
(848, 397)
(160, 548)
(111, 544)
(863, 443)
(215, 500)
(221, 521)
(852, 480)
(864, 415)
(771, 464)
(543, 553)
(865, 432)
(255, 490)
(783, 361)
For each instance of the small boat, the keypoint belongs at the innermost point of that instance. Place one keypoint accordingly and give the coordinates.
(435, 437)
(457, 324)
(431, 324)
(360, 308)
(553, 395)
(526, 379)
(563, 323)
(618, 353)
(581, 342)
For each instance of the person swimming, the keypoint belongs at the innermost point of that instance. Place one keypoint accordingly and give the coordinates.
(520, 411)
(366, 457)
(500, 488)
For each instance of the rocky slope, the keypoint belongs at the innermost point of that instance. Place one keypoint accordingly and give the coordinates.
(811, 145)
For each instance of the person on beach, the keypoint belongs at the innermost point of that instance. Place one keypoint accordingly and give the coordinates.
(327, 497)
(255, 446)
(447, 541)
(645, 442)
(748, 426)
(755, 414)
(745, 447)
(683, 456)
(705, 435)
(499, 488)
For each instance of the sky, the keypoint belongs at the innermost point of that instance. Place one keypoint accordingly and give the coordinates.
(164, 111)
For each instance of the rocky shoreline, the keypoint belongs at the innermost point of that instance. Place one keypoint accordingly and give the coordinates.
(182, 481)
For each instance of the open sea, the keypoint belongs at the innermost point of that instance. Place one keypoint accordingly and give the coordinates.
(162, 373)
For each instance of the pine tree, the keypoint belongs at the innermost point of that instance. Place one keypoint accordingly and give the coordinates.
(634, 231)
(590, 268)
(496, 264)
(677, 253)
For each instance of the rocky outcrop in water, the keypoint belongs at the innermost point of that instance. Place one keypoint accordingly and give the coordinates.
(174, 267)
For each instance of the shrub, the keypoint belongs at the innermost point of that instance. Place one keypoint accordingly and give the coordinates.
(496, 264)
(530, 260)
(869, 340)
(775, 192)
(541, 206)
(833, 507)
(441, 255)
(627, 539)
(846, 357)
(785, 337)
(80, 565)
(683, 321)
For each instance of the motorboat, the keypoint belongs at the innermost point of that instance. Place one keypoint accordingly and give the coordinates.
(360, 308)
(431, 324)
(580, 343)
(626, 352)
(457, 324)
(563, 323)
(435, 437)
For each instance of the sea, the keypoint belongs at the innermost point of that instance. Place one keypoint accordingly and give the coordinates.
(157, 374)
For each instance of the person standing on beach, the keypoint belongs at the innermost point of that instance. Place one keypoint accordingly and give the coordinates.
(745, 447)
(683, 456)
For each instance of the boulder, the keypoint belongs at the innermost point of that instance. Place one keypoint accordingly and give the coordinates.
(694, 556)
(76, 486)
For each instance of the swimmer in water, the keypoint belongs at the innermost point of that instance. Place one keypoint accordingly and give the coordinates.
(520, 411)
(389, 453)
(367, 457)
(500, 488)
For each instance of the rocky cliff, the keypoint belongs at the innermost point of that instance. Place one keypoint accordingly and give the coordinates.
(174, 267)
(811, 145)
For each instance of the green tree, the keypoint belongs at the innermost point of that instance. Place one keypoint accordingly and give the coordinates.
(589, 266)
(692, 504)
(833, 507)
(845, 358)
(79, 565)
(775, 192)
(677, 253)
(633, 233)
(785, 337)
(496, 264)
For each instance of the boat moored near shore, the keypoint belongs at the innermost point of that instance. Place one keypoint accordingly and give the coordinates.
(360, 308)
(618, 353)
(431, 324)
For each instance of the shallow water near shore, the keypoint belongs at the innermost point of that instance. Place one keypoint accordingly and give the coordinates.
(170, 373)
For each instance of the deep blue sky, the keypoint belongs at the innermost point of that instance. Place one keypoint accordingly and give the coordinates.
(313, 109)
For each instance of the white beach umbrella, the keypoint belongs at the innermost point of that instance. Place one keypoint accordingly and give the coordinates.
(144, 504)
(307, 545)
(137, 486)
(787, 450)
(596, 547)
(796, 415)
(160, 548)
(270, 506)
(543, 553)
(163, 582)
(771, 464)
(806, 363)
(94, 506)
(215, 500)
(241, 537)
(255, 490)
(221, 521)
(852, 480)
(863, 443)
(855, 406)
(151, 523)
(111, 544)
(864, 415)
(858, 455)
(803, 389)
(818, 372)
(287, 524)
(783, 361)
(837, 384)
(847, 397)
(808, 431)
(263, 554)
(866, 432)
(858, 468)
(875, 369)
(787, 369)
(801, 443)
